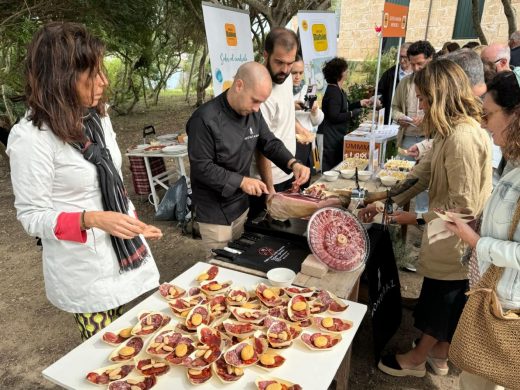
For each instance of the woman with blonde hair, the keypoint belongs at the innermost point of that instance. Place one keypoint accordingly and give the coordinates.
(460, 179)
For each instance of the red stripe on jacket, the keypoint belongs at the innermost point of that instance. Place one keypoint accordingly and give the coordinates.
(68, 228)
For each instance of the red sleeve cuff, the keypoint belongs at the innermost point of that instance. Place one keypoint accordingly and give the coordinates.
(68, 228)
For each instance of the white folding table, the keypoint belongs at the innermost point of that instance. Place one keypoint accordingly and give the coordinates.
(313, 370)
(161, 178)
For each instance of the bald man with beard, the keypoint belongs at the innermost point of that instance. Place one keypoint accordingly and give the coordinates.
(224, 133)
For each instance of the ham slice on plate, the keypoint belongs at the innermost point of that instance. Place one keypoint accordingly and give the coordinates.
(337, 239)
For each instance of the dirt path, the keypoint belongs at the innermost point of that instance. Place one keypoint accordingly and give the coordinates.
(34, 334)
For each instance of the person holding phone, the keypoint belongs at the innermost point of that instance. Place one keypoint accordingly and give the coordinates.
(307, 117)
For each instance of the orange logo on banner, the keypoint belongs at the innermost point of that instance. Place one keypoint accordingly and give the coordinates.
(231, 34)
(394, 20)
(305, 25)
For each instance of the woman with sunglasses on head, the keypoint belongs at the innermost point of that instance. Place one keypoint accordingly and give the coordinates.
(501, 106)
(67, 182)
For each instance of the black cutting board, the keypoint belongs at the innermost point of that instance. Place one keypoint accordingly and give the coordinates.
(272, 252)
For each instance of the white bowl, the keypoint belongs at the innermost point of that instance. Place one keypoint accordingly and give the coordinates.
(347, 173)
(388, 181)
(364, 175)
(281, 277)
(331, 175)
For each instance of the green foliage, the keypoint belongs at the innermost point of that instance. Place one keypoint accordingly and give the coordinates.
(365, 72)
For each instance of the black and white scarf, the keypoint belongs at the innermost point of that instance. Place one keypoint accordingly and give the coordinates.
(130, 253)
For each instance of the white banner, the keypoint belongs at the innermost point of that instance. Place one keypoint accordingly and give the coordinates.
(228, 32)
(318, 39)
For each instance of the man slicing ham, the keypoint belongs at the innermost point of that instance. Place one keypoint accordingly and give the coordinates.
(223, 136)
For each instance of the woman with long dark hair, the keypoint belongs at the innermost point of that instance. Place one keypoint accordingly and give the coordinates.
(66, 176)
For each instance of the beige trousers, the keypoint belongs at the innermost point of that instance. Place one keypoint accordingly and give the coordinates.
(469, 381)
(217, 236)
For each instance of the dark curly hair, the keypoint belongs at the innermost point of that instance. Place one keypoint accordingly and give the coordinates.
(421, 47)
(333, 69)
(505, 92)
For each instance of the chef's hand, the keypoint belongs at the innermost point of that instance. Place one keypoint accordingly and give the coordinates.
(368, 213)
(114, 223)
(402, 218)
(301, 174)
(253, 187)
(152, 233)
(464, 231)
(413, 151)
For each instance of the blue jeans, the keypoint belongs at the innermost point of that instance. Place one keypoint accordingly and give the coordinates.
(421, 200)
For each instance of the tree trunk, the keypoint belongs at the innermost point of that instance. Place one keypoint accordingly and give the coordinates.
(201, 90)
(191, 74)
(144, 91)
(475, 13)
(510, 15)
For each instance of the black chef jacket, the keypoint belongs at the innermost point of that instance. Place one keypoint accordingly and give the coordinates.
(221, 144)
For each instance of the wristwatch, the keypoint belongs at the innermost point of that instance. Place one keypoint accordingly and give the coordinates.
(420, 220)
(296, 161)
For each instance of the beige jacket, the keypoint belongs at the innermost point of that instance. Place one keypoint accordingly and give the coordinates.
(458, 170)
(400, 108)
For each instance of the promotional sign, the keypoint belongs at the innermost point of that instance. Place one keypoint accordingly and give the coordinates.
(358, 149)
(395, 18)
(228, 32)
(318, 39)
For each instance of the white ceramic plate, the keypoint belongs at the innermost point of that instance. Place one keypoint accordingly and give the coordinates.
(141, 146)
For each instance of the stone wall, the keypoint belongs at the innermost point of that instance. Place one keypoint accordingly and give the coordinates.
(358, 40)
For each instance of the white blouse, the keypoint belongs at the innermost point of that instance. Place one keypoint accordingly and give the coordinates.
(50, 177)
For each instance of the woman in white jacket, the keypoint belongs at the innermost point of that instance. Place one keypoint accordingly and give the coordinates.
(66, 176)
(307, 120)
(501, 118)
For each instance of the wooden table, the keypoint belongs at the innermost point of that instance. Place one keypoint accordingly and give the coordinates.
(302, 365)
